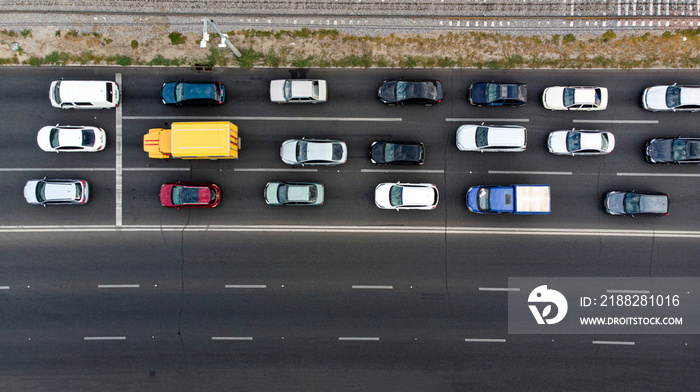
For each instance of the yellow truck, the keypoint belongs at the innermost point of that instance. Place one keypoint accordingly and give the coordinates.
(193, 140)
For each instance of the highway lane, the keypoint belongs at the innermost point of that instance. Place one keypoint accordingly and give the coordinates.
(184, 327)
(54, 278)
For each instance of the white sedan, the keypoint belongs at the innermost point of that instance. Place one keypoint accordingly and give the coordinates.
(298, 91)
(485, 138)
(313, 152)
(671, 98)
(580, 142)
(399, 196)
(575, 98)
(66, 138)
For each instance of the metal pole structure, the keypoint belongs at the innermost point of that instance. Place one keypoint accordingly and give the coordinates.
(14, 46)
(223, 36)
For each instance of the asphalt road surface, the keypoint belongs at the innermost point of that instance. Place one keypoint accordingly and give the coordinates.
(124, 295)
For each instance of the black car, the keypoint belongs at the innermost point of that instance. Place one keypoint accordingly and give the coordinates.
(673, 150)
(426, 92)
(631, 203)
(497, 94)
(397, 153)
(192, 93)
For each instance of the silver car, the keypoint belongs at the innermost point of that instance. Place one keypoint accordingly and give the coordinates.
(313, 152)
(631, 203)
(490, 138)
(294, 193)
(298, 91)
(671, 98)
(585, 98)
(44, 192)
(580, 142)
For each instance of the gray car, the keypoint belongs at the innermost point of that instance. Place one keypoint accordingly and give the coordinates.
(632, 203)
(56, 191)
(294, 194)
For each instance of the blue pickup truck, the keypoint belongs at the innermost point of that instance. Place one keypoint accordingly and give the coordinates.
(511, 199)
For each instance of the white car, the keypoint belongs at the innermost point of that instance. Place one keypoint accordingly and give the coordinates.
(44, 192)
(298, 91)
(671, 98)
(67, 138)
(489, 138)
(313, 152)
(398, 196)
(575, 98)
(580, 142)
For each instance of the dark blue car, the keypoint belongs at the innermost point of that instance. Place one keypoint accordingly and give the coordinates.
(497, 94)
(193, 93)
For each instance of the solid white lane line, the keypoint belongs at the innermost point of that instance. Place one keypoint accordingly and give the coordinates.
(613, 342)
(367, 287)
(354, 338)
(658, 175)
(485, 340)
(4, 287)
(155, 169)
(246, 286)
(251, 118)
(617, 121)
(262, 169)
(401, 171)
(546, 173)
(498, 289)
(450, 119)
(628, 291)
(104, 338)
(439, 230)
(231, 338)
(118, 147)
(43, 169)
(118, 286)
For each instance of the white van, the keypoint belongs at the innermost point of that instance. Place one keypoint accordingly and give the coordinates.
(84, 94)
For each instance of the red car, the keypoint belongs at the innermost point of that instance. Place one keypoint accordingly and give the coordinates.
(190, 195)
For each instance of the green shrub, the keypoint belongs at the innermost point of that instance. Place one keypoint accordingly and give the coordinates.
(408, 62)
(124, 61)
(72, 33)
(26, 33)
(134, 44)
(176, 38)
(610, 35)
(303, 63)
(569, 38)
(58, 33)
(555, 39)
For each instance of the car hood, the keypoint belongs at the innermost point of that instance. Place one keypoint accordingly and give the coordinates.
(288, 152)
(466, 137)
(387, 91)
(167, 94)
(660, 150)
(472, 203)
(557, 142)
(43, 138)
(30, 191)
(381, 196)
(614, 202)
(553, 98)
(655, 98)
(478, 93)
(277, 91)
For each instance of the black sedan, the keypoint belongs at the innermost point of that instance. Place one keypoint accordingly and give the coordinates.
(497, 94)
(673, 150)
(192, 93)
(631, 203)
(397, 153)
(425, 92)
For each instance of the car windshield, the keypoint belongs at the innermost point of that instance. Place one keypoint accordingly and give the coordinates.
(53, 137)
(401, 90)
(40, 192)
(179, 92)
(685, 150)
(185, 195)
(573, 141)
(337, 152)
(492, 92)
(482, 136)
(569, 96)
(632, 203)
(483, 199)
(288, 89)
(88, 138)
(301, 151)
(78, 192)
(605, 141)
(673, 96)
(282, 193)
(395, 196)
(57, 93)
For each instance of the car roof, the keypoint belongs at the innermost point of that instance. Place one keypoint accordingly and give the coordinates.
(653, 203)
(70, 137)
(591, 141)
(506, 136)
(303, 88)
(59, 191)
(298, 192)
(83, 90)
(417, 195)
(584, 96)
(690, 95)
(319, 150)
